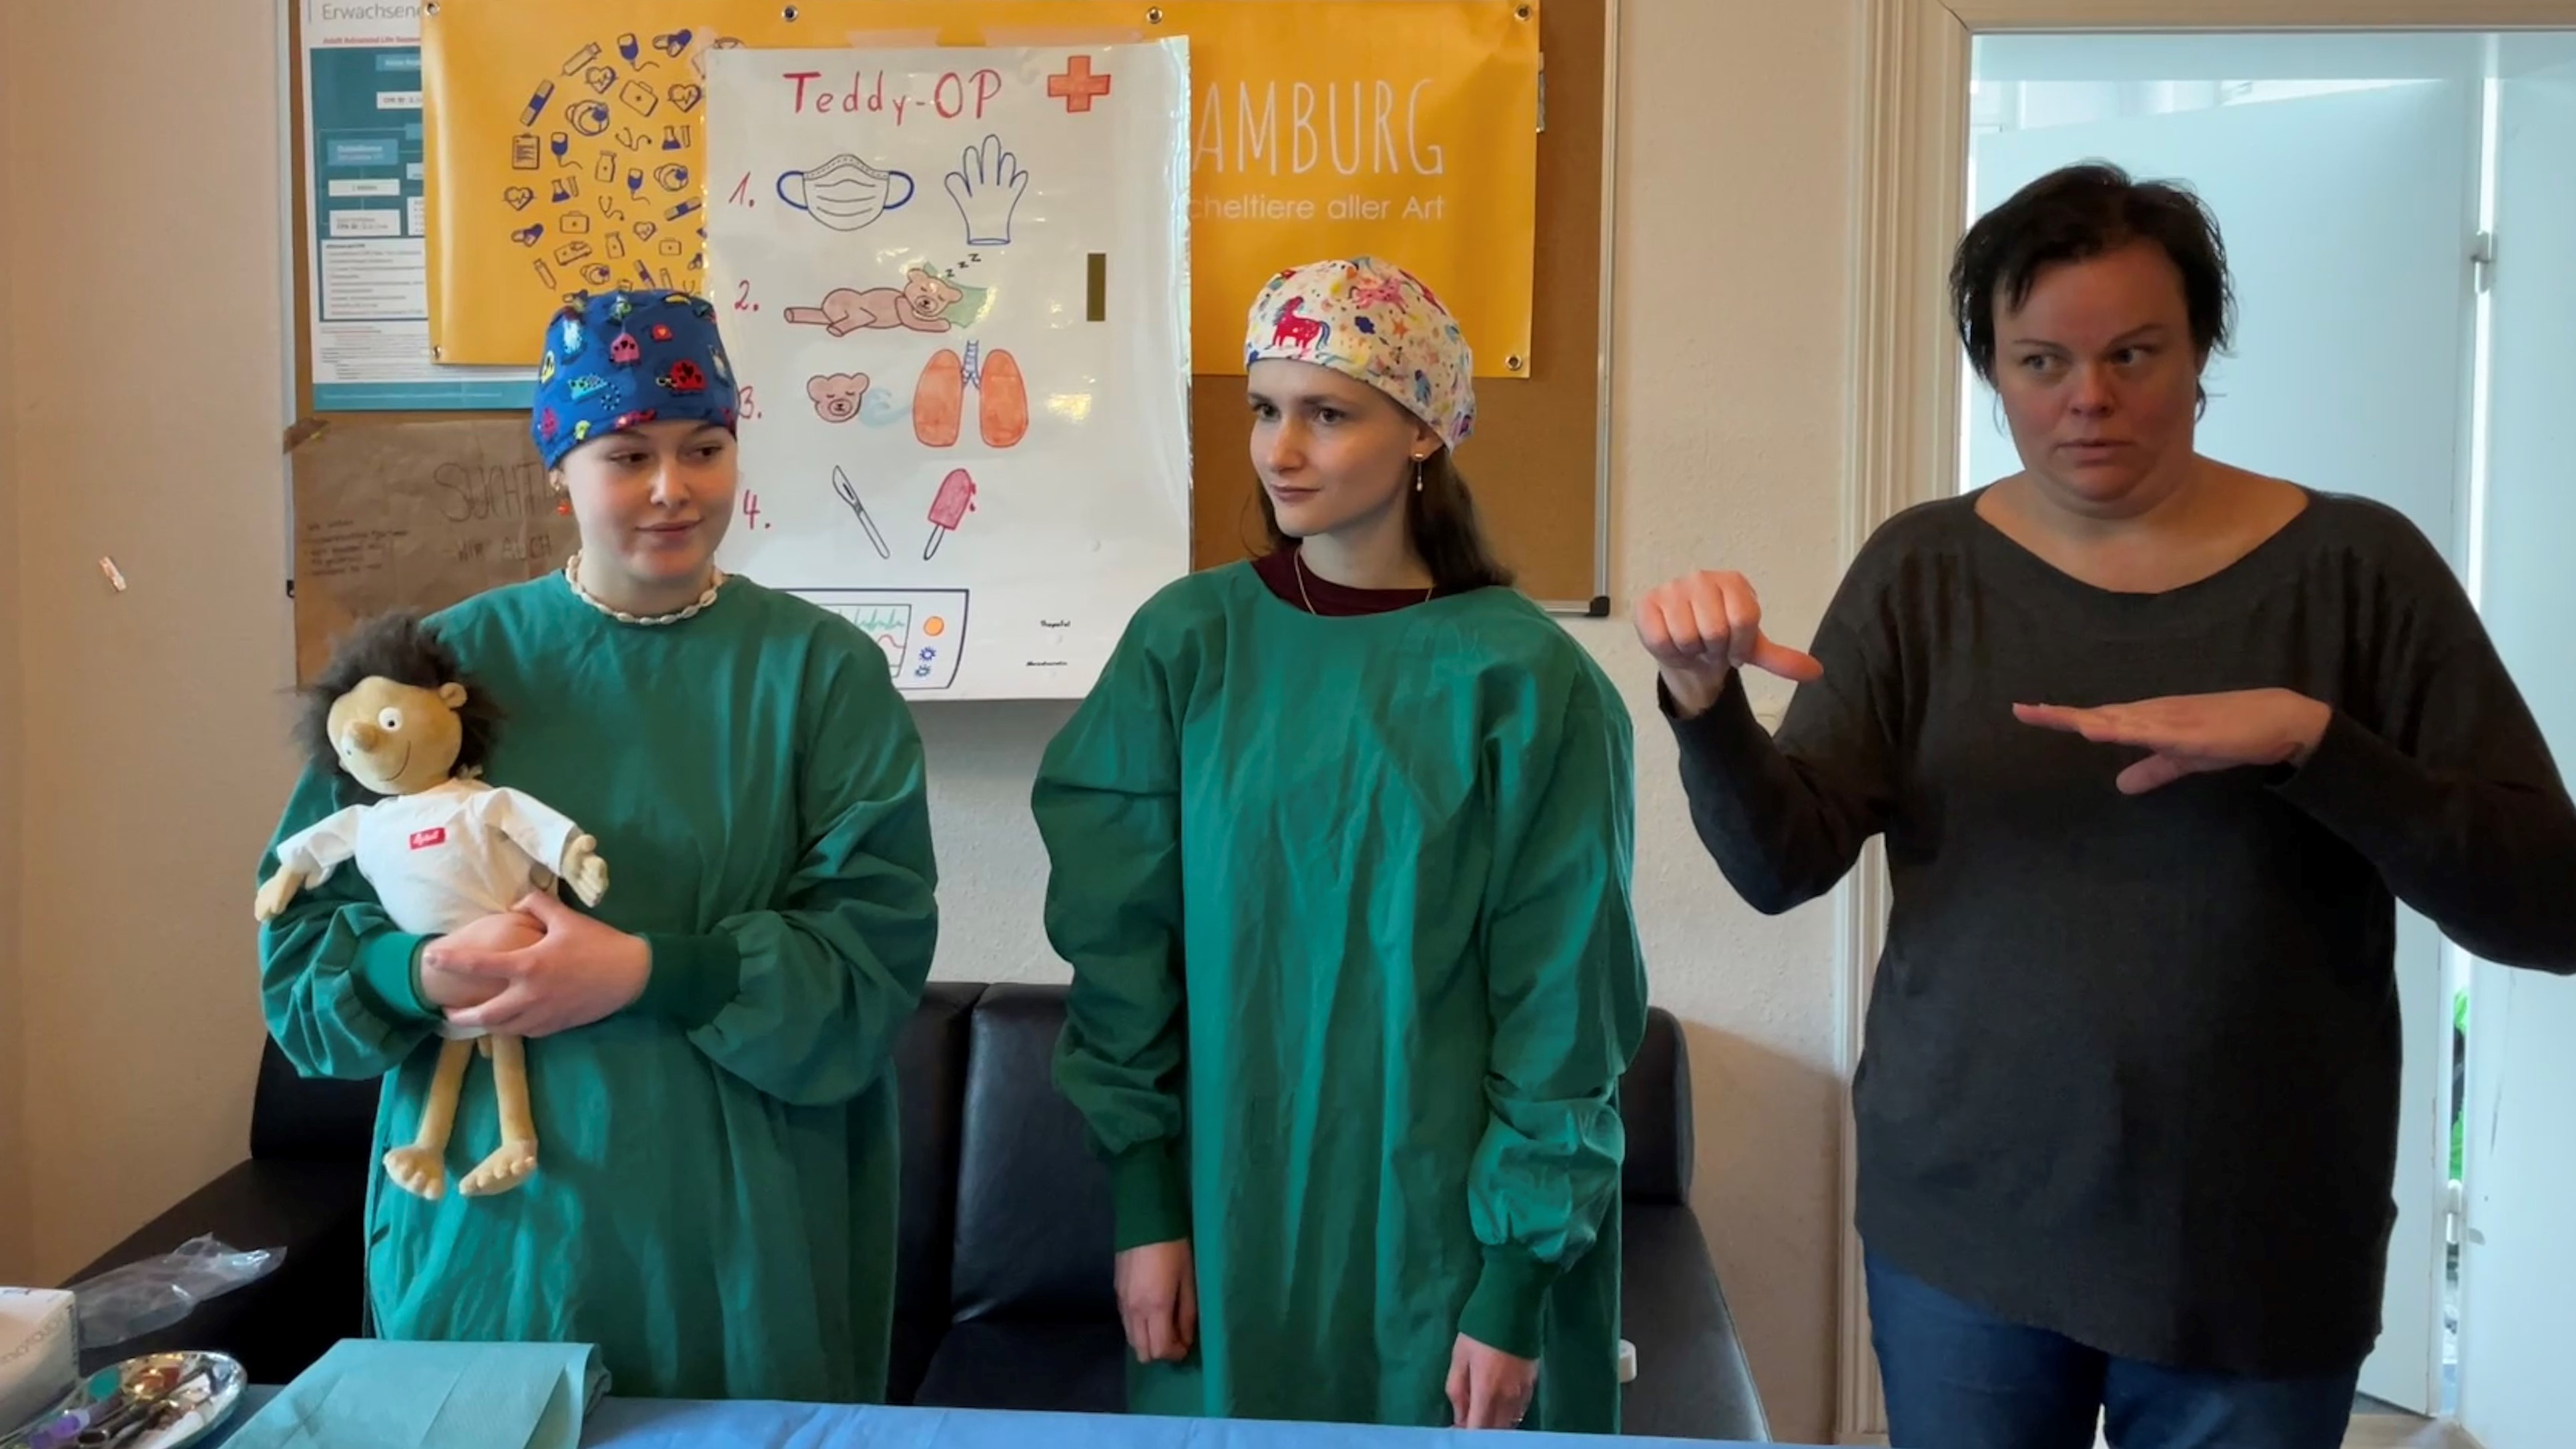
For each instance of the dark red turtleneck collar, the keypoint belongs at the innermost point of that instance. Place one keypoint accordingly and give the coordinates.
(1280, 571)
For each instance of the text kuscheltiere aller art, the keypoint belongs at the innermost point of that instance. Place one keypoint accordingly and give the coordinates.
(945, 278)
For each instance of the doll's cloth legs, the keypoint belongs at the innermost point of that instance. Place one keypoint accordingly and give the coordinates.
(516, 1157)
(421, 1169)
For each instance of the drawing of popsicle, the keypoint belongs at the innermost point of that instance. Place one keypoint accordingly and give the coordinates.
(956, 499)
(849, 492)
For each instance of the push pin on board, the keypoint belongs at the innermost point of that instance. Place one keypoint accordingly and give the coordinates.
(107, 566)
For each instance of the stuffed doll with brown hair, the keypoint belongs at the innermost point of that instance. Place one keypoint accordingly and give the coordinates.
(441, 848)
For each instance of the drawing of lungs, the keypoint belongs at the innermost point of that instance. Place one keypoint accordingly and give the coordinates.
(1002, 401)
(844, 193)
(939, 404)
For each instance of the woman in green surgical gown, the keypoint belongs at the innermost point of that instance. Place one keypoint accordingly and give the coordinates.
(708, 1060)
(1341, 847)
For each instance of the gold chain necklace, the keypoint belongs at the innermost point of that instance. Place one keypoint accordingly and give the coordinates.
(572, 576)
(1297, 559)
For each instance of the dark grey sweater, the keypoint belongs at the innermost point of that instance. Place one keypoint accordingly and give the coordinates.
(2130, 1070)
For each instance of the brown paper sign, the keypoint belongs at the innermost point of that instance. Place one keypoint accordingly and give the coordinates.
(415, 515)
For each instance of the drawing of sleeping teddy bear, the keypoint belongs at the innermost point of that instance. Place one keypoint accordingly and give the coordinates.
(836, 395)
(918, 305)
(441, 848)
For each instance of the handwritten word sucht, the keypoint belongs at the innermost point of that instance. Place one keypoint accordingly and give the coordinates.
(475, 492)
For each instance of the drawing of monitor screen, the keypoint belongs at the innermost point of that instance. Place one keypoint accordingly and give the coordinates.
(922, 632)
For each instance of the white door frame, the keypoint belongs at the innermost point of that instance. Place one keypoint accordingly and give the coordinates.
(1903, 445)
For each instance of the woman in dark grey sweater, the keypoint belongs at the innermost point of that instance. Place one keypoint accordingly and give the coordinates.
(2155, 743)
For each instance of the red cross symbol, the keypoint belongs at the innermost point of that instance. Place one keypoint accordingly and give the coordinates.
(1076, 85)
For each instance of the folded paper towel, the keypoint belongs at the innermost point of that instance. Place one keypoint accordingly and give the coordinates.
(376, 1394)
(39, 1352)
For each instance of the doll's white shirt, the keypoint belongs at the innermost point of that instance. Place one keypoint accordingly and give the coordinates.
(443, 858)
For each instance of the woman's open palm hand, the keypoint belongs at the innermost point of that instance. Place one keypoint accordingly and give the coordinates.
(2188, 734)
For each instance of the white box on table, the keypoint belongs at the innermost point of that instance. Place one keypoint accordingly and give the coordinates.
(39, 1352)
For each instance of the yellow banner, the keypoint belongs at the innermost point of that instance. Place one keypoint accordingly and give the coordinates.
(566, 141)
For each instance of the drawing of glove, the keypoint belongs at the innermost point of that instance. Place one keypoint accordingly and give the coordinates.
(987, 187)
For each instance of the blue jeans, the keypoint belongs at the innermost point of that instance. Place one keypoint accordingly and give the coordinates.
(1958, 1377)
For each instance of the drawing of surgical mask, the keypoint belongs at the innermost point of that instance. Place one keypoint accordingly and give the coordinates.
(844, 193)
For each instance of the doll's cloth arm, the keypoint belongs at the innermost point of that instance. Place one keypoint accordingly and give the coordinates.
(541, 830)
(320, 848)
(335, 973)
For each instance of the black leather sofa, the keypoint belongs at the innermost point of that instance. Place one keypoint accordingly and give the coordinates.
(1005, 1298)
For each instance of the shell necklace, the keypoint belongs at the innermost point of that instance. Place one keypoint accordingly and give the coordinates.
(572, 576)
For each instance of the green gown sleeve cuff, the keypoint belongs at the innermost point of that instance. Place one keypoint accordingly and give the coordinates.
(691, 979)
(1509, 1301)
(1150, 1194)
(388, 978)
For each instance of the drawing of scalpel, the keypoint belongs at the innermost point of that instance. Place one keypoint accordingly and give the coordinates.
(849, 492)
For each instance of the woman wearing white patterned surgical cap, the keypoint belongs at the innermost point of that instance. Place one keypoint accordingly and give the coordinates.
(1341, 850)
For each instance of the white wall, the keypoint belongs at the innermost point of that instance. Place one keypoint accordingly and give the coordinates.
(144, 369)
(15, 1242)
(1734, 260)
(143, 343)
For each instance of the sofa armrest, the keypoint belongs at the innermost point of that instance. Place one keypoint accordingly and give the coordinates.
(279, 1324)
(1692, 1378)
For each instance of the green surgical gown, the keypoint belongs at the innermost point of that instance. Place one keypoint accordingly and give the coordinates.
(1355, 979)
(715, 1198)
